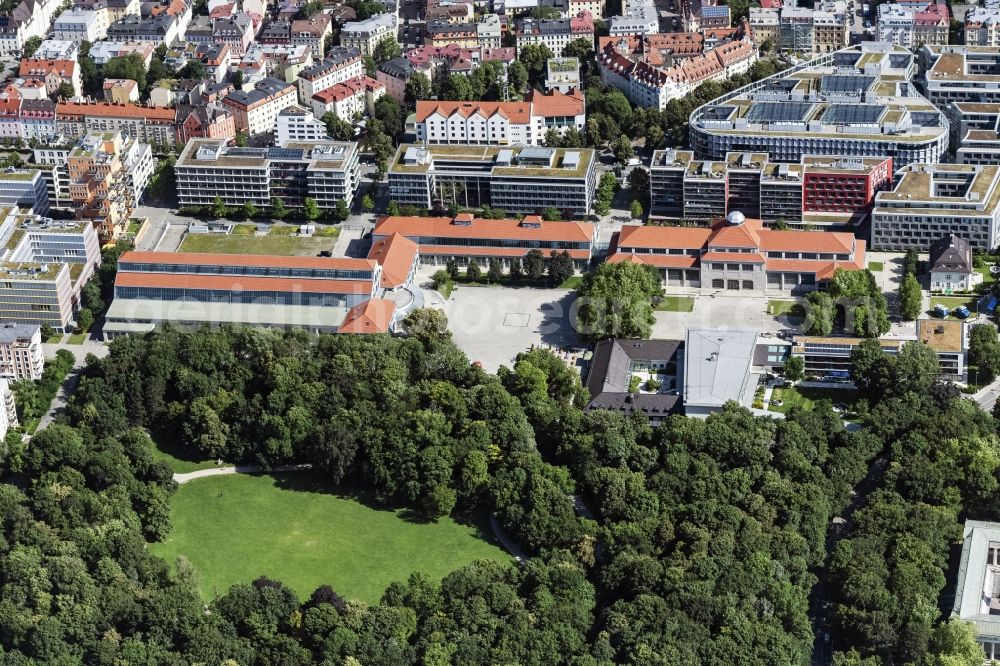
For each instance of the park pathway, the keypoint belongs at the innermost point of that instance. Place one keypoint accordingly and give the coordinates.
(237, 469)
(507, 542)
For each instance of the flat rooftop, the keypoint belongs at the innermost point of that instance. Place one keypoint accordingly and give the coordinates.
(717, 367)
(502, 160)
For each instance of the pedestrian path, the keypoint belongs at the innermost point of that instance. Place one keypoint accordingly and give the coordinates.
(237, 469)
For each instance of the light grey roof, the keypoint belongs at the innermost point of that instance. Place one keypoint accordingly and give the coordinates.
(974, 593)
(141, 311)
(717, 367)
(11, 332)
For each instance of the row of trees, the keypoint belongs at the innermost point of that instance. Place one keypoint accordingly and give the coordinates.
(535, 268)
(310, 210)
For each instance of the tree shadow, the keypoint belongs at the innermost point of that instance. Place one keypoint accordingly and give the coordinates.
(556, 328)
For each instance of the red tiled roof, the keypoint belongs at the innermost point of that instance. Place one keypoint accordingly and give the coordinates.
(515, 112)
(206, 258)
(657, 260)
(35, 67)
(689, 238)
(750, 257)
(241, 283)
(481, 228)
(372, 316)
(555, 103)
(109, 110)
(396, 255)
(743, 235)
(480, 251)
(817, 241)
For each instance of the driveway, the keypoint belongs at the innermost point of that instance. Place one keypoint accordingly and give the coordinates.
(494, 324)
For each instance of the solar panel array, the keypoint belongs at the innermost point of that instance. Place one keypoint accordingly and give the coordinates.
(777, 112)
(285, 153)
(246, 152)
(853, 114)
(710, 11)
(833, 83)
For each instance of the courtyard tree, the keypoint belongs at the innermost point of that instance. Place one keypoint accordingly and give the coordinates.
(278, 209)
(310, 209)
(534, 264)
(910, 297)
(249, 211)
(636, 209)
(617, 301)
(472, 271)
(428, 325)
(367, 203)
(495, 272)
(559, 267)
(795, 368)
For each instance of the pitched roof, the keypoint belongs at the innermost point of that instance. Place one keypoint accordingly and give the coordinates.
(207, 258)
(663, 237)
(515, 112)
(396, 254)
(109, 110)
(951, 253)
(373, 316)
(240, 282)
(443, 227)
(555, 103)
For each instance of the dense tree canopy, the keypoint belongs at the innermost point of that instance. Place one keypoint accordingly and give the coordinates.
(703, 539)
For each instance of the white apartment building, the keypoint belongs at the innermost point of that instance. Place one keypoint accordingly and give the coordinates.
(78, 25)
(255, 111)
(349, 100)
(489, 33)
(341, 64)
(556, 34)
(562, 74)
(21, 351)
(365, 35)
(638, 18)
(982, 26)
(935, 200)
(30, 18)
(8, 411)
(295, 123)
(895, 24)
(500, 123)
(960, 74)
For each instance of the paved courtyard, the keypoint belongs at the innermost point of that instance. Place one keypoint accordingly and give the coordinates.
(723, 312)
(494, 324)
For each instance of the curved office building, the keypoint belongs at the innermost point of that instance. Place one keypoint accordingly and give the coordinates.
(856, 102)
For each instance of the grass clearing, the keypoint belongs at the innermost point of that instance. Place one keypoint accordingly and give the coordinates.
(282, 230)
(244, 229)
(807, 397)
(327, 232)
(875, 266)
(675, 304)
(779, 308)
(952, 302)
(76, 338)
(54, 338)
(572, 282)
(292, 528)
(235, 244)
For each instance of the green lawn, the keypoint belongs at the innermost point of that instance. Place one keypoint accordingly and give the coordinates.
(238, 244)
(289, 527)
(675, 304)
(875, 266)
(779, 308)
(55, 338)
(806, 397)
(246, 229)
(327, 232)
(446, 288)
(952, 302)
(572, 282)
(988, 278)
(76, 338)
